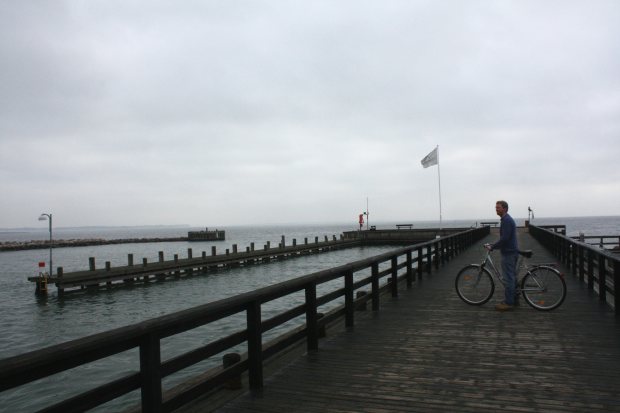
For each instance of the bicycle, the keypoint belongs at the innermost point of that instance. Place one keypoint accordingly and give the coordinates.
(542, 286)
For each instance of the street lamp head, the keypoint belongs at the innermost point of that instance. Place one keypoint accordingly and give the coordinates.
(43, 217)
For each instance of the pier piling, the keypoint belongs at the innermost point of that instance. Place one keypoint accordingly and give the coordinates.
(177, 268)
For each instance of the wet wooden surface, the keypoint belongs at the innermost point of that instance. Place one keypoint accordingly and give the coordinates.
(428, 351)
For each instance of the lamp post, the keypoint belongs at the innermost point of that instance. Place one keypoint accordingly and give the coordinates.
(45, 217)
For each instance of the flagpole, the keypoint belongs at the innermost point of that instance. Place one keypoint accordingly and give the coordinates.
(429, 160)
(439, 178)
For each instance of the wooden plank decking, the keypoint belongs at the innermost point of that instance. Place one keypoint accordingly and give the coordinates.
(428, 351)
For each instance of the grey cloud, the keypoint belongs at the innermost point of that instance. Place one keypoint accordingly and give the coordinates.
(238, 106)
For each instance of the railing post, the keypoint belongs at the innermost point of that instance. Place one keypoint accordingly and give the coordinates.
(442, 250)
(394, 277)
(582, 270)
(617, 287)
(429, 259)
(59, 273)
(375, 286)
(229, 360)
(311, 318)
(602, 279)
(348, 299)
(420, 259)
(255, 346)
(590, 269)
(150, 374)
(410, 274)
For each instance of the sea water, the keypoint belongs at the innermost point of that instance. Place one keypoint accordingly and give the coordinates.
(31, 323)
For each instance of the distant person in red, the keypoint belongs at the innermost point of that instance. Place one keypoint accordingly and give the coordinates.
(361, 221)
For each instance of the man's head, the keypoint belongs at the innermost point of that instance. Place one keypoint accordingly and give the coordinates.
(501, 208)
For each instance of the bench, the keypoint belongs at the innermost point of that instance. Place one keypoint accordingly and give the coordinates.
(401, 226)
(489, 223)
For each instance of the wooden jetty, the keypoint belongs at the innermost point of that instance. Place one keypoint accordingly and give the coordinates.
(132, 273)
(404, 234)
(427, 351)
(420, 348)
(608, 242)
(176, 268)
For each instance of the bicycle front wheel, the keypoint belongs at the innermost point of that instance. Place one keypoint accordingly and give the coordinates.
(474, 285)
(543, 288)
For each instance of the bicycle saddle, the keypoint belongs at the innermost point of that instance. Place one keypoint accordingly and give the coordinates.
(526, 253)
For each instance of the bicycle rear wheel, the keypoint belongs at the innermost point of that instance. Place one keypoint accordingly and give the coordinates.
(543, 288)
(474, 285)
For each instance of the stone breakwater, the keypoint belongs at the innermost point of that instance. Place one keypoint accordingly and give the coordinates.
(68, 243)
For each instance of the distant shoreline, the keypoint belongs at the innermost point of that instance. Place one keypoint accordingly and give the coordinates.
(61, 243)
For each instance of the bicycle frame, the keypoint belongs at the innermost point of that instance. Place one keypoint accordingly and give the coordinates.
(498, 275)
(487, 262)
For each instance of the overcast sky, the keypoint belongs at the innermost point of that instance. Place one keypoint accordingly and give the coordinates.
(240, 112)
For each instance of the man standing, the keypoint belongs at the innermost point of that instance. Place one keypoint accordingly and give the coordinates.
(509, 249)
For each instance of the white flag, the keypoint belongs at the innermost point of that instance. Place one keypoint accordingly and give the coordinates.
(431, 159)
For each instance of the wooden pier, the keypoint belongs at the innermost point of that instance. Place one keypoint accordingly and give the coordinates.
(427, 351)
(417, 347)
(608, 242)
(162, 270)
(403, 234)
(176, 268)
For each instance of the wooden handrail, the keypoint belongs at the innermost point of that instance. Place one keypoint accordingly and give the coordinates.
(146, 336)
(593, 265)
(602, 239)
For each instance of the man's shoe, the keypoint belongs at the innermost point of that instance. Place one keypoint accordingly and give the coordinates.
(503, 307)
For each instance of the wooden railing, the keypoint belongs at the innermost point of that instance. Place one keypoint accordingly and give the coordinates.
(603, 241)
(561, 228)
(146, 336)
(597, 267)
